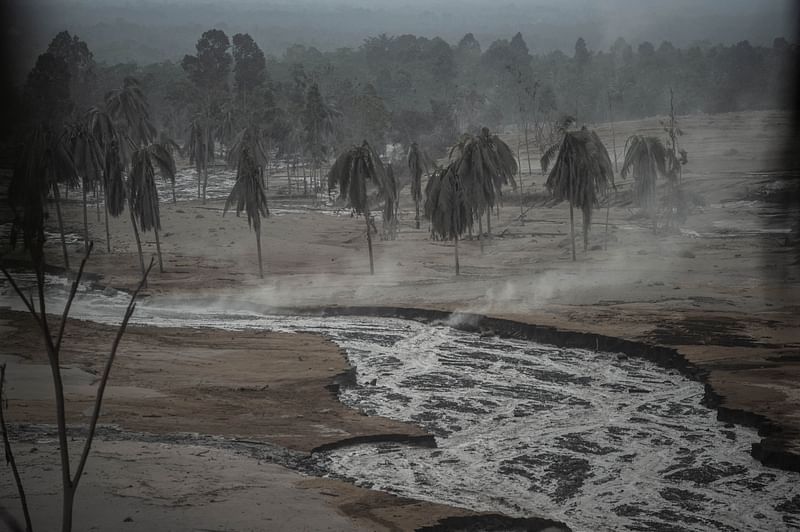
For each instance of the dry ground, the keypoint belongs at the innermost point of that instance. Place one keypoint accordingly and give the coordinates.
(722, 291)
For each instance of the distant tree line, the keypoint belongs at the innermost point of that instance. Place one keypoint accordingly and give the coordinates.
(402, 89)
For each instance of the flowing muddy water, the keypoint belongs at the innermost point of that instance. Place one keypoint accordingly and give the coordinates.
(596, 440)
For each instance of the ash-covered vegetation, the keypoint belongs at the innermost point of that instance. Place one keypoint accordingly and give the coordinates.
(404, 88)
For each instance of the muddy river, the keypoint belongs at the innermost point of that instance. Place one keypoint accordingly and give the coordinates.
(596, 440)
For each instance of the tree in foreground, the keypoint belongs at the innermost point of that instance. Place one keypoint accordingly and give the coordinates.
(645, 158)
(446, 206)
(32, 226)
(580, 175)
(350, 173)
(484, 163)
(248, 191)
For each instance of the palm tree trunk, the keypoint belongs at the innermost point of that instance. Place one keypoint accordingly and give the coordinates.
(369, 244)
(174, 200)
(586, 223)
(85, 218)
(458, 269)
(108, 233)
(57, 197)
(489, 223)
(527, 152)
(136, 234)
(199, 180)
(258, 245)
(605, 237)
(305, 179)
(653, 210)
(97, 201)
(480, 232)
(266, 168)
(416, 217)
(572, 230)
(205, 184)
(158, 249)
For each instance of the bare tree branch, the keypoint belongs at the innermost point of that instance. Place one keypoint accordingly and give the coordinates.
(73, 290)
(104, 379)
(15, 286)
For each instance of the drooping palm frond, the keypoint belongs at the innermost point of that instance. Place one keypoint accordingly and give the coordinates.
(353, 170)
(101, 126)
(248, 193)
(27, 192)
(199, 146)
(129, 107)
(169, 143)
(646, 159)
(114, 180)
(446, 204)
(484, 163)
(581, 175)
(549, 155)
(252, 137)
(582, 171)
(144, 193)
(43, 162)
(86, 152)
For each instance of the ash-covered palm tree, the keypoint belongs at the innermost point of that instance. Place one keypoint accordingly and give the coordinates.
(129, 107)
(580, 175)
(43, 163)
(484, 163)
(350, 173)
(143, 194)
(200, 148)
(113, 148)
(88, 157)
(173, 148)
(252, 138)
(318, 121)
(418, 164)
(248, 192)
(447, 207)
(646, 159)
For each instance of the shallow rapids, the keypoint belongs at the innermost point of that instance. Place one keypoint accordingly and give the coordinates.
(596, 440)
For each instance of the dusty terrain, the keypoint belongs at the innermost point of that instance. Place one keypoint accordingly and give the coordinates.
(723, 291)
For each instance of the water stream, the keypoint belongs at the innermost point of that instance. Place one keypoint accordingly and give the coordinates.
(596, 440)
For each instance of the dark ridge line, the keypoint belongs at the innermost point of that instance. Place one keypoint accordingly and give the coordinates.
(494, 523)
(425, 440)
(771, 451)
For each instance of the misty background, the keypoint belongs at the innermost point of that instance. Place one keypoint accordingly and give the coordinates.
(149, 31)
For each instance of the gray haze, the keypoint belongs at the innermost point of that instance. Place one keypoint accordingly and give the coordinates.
(147, 31)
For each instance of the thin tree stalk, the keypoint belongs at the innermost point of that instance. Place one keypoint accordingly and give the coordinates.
(72, 291)
(258, 245)
(369, 244)
(136, 235)
(458, 269)
(158, 250)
